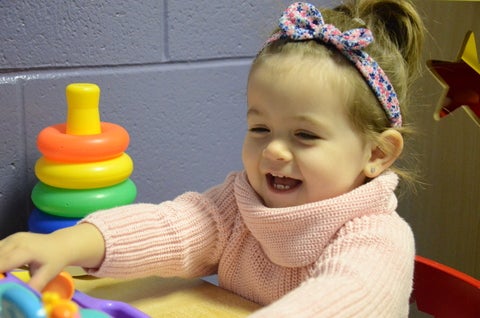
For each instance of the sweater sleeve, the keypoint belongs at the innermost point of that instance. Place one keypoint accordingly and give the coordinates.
(184, 237)
(366, 271)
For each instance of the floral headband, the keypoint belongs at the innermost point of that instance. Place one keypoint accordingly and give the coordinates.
(302, 21)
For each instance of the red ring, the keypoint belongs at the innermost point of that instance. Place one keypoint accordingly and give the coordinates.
(55, 144)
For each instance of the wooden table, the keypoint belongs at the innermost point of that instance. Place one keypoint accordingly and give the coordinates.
(170, 297)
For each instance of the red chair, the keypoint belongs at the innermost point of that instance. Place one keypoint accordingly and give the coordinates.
(444, 292)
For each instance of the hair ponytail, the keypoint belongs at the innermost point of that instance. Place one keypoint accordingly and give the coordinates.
(392, 21)
(398, 21)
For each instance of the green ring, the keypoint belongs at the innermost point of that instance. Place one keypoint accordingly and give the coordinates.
(74, 203)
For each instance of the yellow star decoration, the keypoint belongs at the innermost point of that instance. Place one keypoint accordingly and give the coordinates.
(461, 79)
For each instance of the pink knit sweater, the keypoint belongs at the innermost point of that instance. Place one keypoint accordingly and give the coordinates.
(350, 256)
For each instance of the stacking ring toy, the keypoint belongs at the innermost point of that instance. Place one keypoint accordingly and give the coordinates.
(84, 175)
(79, 203)
(55, 144)
(40, 222)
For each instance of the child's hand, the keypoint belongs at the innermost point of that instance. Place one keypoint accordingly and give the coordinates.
(48, 254)
(40, 252)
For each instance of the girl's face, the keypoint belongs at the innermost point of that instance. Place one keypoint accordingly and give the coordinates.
(300, 146)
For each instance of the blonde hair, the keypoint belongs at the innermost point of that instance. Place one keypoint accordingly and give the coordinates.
(399, 34)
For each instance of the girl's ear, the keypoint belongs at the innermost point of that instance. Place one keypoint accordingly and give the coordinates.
(384, 153)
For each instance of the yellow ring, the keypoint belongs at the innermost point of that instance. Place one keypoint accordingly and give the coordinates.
(84, 175)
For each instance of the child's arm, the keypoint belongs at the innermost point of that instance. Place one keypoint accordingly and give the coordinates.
(183, 237)
(47, 255)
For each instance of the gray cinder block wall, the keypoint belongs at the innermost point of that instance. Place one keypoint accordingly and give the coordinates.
(173, 73)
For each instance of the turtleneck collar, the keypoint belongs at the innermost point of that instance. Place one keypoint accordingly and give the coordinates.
(296, 236)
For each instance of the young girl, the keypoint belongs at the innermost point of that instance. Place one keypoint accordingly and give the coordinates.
(309, 229)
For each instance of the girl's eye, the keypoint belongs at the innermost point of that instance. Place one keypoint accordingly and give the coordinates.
(259, 130)
(306, 135)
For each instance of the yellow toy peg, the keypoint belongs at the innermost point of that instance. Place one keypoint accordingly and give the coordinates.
(83, 116)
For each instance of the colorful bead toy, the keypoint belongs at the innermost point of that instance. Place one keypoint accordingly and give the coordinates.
(58, 299)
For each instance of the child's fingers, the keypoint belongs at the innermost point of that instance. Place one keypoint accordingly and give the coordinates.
(13, 254)
(42, 275)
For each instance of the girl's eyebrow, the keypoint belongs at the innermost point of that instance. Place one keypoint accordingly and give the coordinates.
(310, 120)
(253, 111)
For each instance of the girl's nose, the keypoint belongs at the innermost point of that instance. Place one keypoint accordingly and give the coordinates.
(277, 150)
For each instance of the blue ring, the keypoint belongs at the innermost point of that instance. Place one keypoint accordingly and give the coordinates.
(41, 222)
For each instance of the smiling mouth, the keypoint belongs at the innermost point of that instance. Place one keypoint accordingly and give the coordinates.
(282, 183)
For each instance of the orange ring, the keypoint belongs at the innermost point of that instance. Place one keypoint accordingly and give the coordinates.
(55, 144)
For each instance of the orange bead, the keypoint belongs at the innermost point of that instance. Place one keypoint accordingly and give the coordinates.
(65, 309)
(62, 285)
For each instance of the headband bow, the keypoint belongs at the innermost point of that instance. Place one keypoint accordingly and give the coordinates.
(302, 21)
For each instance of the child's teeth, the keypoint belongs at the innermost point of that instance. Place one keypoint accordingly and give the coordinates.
(281, 187)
